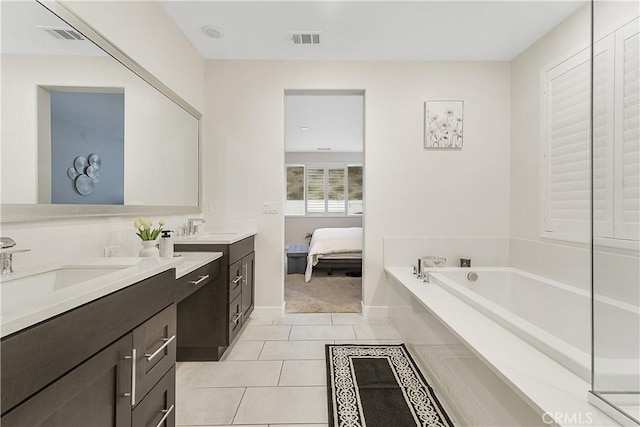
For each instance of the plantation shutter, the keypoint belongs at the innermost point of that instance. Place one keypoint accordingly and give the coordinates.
(627, 132)
(603, 127)
(336, 197)
(567, 151)
(315, 190)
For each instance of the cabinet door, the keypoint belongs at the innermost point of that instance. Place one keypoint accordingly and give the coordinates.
(158, 408)
(155, 345)
(248, 284)
(96, 393)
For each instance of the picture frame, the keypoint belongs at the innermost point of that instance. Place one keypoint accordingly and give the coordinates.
(443, 124)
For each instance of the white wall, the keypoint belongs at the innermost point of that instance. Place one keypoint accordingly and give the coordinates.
(408, 191)
(145, 32)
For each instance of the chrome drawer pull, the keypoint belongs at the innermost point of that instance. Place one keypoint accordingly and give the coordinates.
(200, 280)
(237, 279)
(246, 272)
(133, 377)
(166, 413)
(167, 341)
(238, 316)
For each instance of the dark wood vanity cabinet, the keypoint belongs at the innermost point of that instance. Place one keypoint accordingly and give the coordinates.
(211, 317)
(110, 362)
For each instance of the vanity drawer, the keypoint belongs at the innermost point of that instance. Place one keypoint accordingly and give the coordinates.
(158, 408)
(155, 345)
(191, 282)
(235, 280)
(235, 318)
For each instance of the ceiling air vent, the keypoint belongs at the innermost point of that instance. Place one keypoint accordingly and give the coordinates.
(63, 33)
(324, 148)
(306, 37)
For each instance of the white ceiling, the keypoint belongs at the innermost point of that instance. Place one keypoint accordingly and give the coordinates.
(370, 30)
(324, 122)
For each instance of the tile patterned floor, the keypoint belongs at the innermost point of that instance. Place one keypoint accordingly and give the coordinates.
(274, 374)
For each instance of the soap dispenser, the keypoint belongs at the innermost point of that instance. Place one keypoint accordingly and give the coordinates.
(166, 244)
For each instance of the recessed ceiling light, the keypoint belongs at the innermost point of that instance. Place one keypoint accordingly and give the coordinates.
(210, 31)
(304, 128)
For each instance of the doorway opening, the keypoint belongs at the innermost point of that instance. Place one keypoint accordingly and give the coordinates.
(324, 201)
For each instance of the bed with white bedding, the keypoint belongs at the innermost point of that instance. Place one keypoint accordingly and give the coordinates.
(334, 248)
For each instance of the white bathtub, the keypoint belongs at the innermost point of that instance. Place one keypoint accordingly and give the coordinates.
(553, 317)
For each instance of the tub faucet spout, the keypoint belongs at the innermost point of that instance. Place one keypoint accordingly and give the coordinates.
(426, 277)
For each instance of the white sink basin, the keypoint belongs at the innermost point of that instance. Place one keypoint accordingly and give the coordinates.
(64, 276)
(35, 288)
(31, 296)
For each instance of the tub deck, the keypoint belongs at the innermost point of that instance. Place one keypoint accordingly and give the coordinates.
(542, 382)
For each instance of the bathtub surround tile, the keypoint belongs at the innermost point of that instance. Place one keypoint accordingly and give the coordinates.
(234, 373)
(566, 263)
(265, 333)
(207, 406)
(244, 350)
(293, 350)
(283, 405)
(338, 332)
(304, 319)
(483, 251)
(303, 373)
(380, 332)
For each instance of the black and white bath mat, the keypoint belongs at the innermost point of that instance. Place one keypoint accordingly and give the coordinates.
(379, 386)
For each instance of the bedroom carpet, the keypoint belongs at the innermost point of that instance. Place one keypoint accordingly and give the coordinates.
(323, 294)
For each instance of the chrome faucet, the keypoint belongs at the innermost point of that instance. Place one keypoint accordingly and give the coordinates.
(6, 254)
(426, 277)
(192, 227)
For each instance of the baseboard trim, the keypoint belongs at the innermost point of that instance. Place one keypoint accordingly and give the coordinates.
(274, 311)
(374, 310)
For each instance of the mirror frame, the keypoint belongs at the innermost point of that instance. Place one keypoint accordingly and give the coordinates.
(12, 212)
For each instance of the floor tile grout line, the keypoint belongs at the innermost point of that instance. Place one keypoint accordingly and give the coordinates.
(235, 414)
(280, 374)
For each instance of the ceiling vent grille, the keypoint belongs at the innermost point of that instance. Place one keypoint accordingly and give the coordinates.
(306, 38)
(63, 33)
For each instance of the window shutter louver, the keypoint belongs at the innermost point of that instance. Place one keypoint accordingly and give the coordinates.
(627, 130)
(315, 190)
(567, 154)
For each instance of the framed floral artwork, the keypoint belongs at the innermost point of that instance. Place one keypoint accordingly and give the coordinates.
(443, 124)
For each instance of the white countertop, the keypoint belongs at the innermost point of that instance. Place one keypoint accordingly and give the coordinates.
(194, 260)
(214, 238)
(543, 382)
(32, 296)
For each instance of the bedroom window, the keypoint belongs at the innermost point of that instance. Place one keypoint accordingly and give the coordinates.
(295, 191)
(324, 190)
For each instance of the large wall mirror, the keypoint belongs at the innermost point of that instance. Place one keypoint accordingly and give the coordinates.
(83, 134)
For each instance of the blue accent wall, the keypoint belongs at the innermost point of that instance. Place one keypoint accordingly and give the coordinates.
(83, 124)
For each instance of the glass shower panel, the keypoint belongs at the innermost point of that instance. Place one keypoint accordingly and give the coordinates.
(616, 206)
